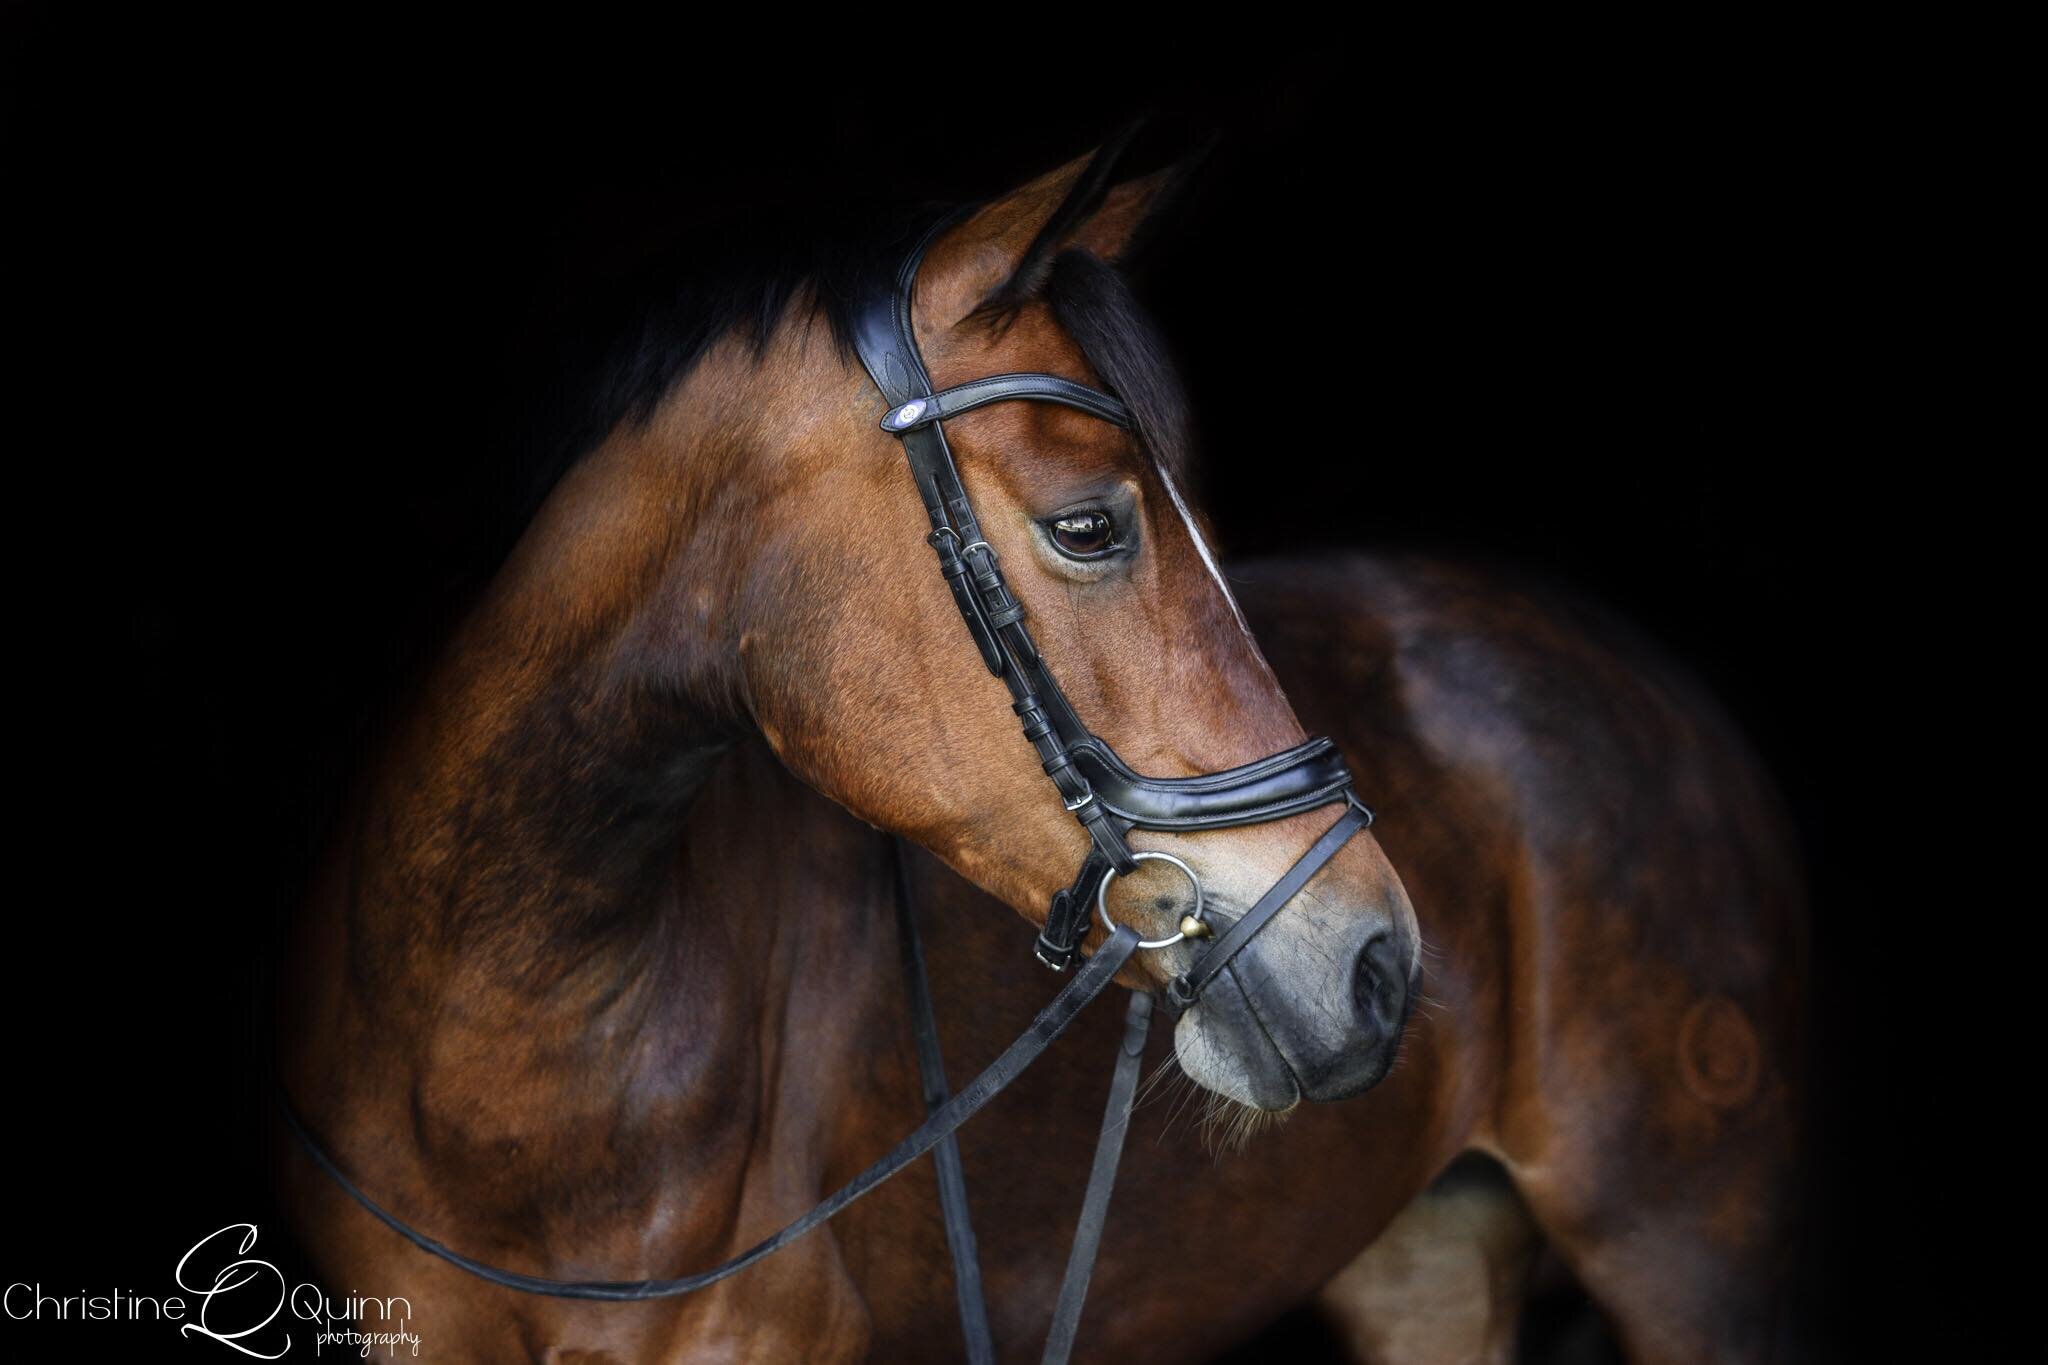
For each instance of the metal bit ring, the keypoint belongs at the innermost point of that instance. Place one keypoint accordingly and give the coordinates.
(1102, 898)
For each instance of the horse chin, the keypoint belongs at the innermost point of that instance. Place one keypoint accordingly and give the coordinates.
(1239, 1067)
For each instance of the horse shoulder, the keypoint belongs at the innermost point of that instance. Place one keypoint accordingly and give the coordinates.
(1613, 898)
(1565, 803)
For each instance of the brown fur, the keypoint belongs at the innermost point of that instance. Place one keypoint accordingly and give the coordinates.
(573, 1008)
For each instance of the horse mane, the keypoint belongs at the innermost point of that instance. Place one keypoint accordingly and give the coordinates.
(1096, 306)
(657, 325)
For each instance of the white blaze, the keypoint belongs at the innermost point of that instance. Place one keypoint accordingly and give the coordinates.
(1202, 548)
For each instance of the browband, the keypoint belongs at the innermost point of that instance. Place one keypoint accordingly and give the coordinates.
(1002, 388)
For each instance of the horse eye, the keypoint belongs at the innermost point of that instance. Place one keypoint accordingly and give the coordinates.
(1084, 535)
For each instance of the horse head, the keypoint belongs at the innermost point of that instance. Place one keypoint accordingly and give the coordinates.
(801, 579)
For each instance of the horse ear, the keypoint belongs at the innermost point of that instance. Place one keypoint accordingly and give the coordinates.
(1131, 213)
(1002, 253)
(1117, 228)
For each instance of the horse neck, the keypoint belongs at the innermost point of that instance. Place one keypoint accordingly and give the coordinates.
(765, 987)
(515, 846)
(550, 945)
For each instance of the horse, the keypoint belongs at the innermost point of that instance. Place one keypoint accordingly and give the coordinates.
(598, 979)
(508, 1014)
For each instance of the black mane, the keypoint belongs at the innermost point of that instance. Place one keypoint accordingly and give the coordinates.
(646, 337)
(1095, 305)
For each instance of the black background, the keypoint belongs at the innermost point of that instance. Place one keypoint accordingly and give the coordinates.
(305, 320)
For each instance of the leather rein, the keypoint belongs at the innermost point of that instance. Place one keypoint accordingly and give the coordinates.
(1104, 794)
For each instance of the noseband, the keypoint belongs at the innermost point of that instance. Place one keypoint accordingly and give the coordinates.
(1104, 793)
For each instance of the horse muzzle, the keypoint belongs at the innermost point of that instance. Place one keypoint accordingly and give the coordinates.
(1279, 1026)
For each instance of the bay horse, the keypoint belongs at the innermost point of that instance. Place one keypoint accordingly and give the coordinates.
(638, 1059)
(508, 1015)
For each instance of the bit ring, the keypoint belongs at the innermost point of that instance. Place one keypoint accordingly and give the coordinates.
(1102, 897)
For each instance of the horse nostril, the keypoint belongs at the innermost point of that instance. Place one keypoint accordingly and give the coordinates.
(1379, 990)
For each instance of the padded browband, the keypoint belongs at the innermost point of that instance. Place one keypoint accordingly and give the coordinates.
(1004, 388)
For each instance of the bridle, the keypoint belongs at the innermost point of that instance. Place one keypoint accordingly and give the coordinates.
(1103, 793)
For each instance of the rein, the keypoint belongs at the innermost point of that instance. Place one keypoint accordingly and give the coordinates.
(938, 1127)
(1104, 794)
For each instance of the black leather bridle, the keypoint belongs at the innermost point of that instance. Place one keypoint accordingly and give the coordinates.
(1104, 794)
